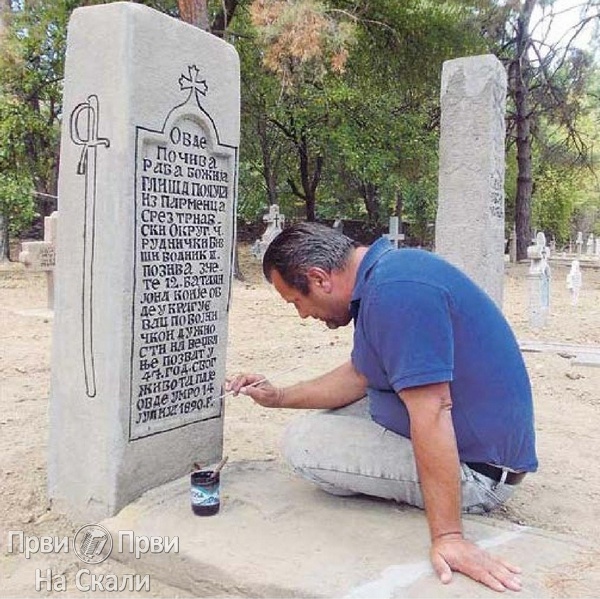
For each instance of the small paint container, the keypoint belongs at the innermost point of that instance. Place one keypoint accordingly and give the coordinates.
(204, 492)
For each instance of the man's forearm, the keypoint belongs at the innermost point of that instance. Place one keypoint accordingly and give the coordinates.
(439, 471)
(436, 455)
(335, 389)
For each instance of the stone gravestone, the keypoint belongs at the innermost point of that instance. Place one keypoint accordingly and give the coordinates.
(579, 242)
(539, 282)
(471, 172)
(147, 185)
(574, 281)
(590, 245)
(275, 221)
(41, 255)
(597, 250)
(394, 235)
(338, 225)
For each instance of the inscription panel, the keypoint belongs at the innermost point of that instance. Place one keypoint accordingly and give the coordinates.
(183, 236)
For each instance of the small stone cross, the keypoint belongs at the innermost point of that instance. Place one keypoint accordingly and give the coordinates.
(579, 242)
(274, 220)
(539, 281)
(574, 282)
(394, 235)
(590, 244)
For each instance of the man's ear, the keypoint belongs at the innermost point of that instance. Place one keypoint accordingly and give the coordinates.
(319, 279)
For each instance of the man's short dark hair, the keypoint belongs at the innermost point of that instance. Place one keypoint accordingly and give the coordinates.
(303, 245)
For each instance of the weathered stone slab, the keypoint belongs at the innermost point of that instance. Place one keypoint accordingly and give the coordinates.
(147, 202)
(469, 229)
(279, 536)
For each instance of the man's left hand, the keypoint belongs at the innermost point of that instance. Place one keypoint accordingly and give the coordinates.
(458, 554)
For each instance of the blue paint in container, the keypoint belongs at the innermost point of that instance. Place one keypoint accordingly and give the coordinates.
(204, 492)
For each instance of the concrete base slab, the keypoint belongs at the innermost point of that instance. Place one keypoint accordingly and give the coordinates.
(278, 536)
(581, 355)
(587, 360)
(558, 348)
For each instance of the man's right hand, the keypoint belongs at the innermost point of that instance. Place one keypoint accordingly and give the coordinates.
(257, 387)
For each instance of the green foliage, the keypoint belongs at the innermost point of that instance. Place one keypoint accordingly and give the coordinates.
(351, 89)
(17, 206)
(31, 67)
(553, 201)
(374, 126)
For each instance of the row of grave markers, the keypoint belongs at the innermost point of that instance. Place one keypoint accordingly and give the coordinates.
(539, 277)
(275, 221)
(39, 256)
(592, 245)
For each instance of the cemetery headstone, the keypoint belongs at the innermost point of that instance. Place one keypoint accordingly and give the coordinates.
(395, 236)
(579, 242)
(597, 249)
(275, 221)
(41, 255)
(338, 225)
(590, 245)
(147, 184)
(539, 282)
(471, 172)
(574, 281)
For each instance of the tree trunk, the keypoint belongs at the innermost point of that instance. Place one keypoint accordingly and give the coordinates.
(399, 209)
(269, 173)
(194, 12)
(223, 17)
(309, 183)
(4, 240)
(371, 197)
(519, 81)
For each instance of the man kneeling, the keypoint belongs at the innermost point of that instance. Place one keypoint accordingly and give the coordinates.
(433, 408)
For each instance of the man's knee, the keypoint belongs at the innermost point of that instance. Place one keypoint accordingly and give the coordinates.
(299, 441)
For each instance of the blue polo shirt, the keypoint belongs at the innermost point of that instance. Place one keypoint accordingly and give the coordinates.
(418, 321)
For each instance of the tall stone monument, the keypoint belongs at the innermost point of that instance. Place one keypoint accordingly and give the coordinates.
(147, 185)
(470, 217)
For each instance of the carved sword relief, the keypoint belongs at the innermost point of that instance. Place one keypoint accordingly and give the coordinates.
(84, 132)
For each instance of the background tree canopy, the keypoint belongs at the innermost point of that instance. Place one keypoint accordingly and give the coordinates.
(340, 106)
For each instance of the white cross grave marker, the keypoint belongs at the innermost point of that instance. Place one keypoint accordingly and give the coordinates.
(574, 282)
(394, 235)
(590, 245)
(539, 281)
(579, 242)
(275, 221)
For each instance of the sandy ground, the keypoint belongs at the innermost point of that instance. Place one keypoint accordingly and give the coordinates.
(266, 336)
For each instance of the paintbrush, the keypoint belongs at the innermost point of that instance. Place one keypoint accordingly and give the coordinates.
(256, 383)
